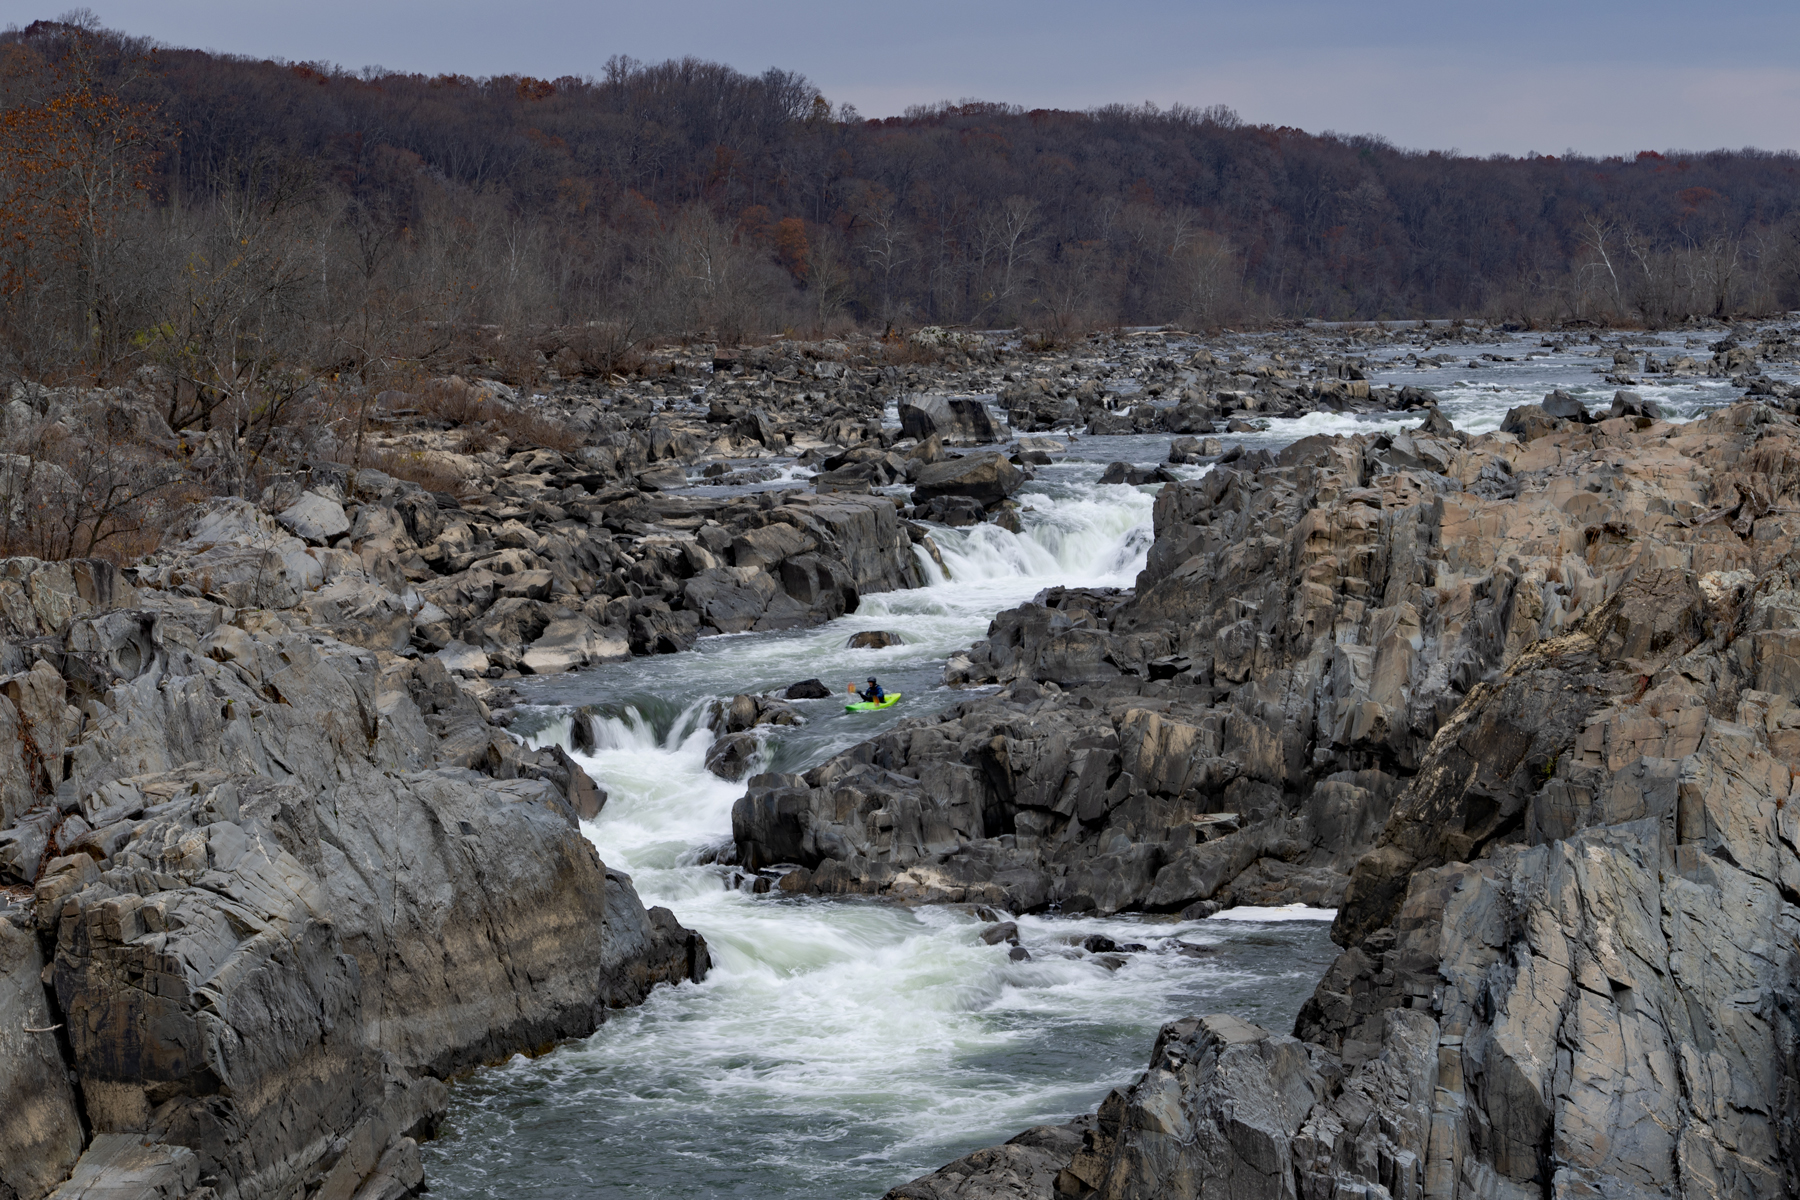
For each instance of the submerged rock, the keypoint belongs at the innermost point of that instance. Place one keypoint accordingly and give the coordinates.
(1135, 476)
(731, 756)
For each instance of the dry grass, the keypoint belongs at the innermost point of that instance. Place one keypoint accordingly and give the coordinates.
(528, 431)
(455, 401)
(414, 466)
(598, 349)
(482, 420)
(903, 351)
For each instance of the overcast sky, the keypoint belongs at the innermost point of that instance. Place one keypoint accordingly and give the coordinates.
(1599, 76)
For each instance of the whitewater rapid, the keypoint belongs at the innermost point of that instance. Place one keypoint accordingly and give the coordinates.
(841, 1047)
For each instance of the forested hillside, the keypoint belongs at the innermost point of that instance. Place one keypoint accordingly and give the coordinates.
(158, 199)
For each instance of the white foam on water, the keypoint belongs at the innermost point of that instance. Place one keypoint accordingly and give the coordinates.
(1087, 535)
(1278, 912)
(840, 1047)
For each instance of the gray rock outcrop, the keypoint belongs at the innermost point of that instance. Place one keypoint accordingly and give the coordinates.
(987, 478)
(1568, 960)
(288, 884)
(956, 420)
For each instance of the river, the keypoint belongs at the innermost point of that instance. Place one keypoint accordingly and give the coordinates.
(841, 1047)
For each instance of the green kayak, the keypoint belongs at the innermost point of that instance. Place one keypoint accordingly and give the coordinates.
(868, 706)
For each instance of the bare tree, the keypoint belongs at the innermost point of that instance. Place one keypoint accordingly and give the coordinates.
(828, 277)
(887, 244)
(1601, 235)
(65, 494)
(1006, 245)
(707, 279)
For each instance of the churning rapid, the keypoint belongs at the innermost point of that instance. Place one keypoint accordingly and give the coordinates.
(841, 1047)
(838, 1048)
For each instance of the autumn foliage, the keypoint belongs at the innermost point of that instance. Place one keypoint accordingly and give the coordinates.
(77, 158)
(238, 224)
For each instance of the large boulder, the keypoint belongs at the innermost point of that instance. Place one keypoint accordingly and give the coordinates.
(1188, 418)
(862, 545)
(315, 518)
(571, 642)
(1028, 1165)
(1126, 473)
(988, 478)
(770, 544)
(40, 1123)
(731, 599)
(238, 556)
(956, 420)
(958, 512)
(361, 612)
(1564, 406)
(1436, 423)
(1632, 404)
(1529, 422)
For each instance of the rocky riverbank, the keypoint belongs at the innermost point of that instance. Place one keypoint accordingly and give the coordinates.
(273, 868)
(1519, 705)
(266, 889)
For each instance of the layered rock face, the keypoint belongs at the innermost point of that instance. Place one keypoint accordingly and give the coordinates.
(1569, 936)
(1219, 736)
(266, 888)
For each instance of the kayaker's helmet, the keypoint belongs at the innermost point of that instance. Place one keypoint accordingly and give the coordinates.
(871, 679)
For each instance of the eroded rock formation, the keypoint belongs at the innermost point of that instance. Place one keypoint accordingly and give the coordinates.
(1569, 960)
(267, 888)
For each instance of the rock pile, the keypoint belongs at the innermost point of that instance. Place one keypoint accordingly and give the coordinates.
(543, 575)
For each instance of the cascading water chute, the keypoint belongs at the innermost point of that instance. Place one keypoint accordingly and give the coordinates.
(837, 1046)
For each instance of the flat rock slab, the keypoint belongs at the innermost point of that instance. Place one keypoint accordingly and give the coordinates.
(129, 1166)
(315, 518)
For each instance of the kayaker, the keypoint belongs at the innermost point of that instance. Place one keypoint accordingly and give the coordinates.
(873, 693)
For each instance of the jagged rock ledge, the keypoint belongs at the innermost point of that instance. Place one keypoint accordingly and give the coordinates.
(1535, 691)
(265, 890)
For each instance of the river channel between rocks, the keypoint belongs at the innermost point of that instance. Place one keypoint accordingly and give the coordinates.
(839, 1048)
